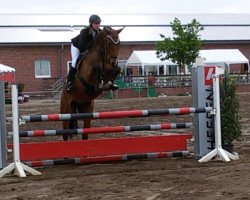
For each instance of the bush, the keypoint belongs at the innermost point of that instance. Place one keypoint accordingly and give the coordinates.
(230, 118)
(20, 88)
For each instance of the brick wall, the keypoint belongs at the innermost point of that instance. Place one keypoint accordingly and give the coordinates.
(22, 58)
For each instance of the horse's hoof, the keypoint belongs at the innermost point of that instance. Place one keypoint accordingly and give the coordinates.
(100, 86)
(113, 87)
(65, 137)
(85, 137)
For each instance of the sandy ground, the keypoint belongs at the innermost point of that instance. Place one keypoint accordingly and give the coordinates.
(165, 178)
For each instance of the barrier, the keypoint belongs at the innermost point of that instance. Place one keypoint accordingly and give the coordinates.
(102, 147)
(106, 147)
(109, 149)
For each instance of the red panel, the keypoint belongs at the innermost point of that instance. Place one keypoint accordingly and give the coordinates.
(209, 71)
(102, 147)
(7, 77)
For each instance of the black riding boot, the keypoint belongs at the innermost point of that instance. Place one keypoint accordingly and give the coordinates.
(70, 78)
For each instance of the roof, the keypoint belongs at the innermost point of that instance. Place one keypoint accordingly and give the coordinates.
(48, 28)
(6, 69)
(229, 56)
(149, 58)
(144, 58)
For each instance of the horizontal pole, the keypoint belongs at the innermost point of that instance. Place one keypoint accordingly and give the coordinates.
(107, 129)
(104, 159)
(116, 114)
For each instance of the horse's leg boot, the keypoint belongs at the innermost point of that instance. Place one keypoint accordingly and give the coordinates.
(70, 78)
(113, 86)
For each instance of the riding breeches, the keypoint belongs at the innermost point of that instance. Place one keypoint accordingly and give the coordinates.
(75, 52)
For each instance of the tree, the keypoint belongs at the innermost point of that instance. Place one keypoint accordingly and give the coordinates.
(184, 47)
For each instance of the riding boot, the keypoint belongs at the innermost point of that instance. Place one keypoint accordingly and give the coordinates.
(70, 78)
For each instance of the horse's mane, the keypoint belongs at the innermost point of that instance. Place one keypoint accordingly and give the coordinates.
(98, 39)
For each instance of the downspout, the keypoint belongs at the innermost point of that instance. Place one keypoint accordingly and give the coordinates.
(61, 62)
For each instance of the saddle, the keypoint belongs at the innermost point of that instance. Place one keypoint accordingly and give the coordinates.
(80, 57)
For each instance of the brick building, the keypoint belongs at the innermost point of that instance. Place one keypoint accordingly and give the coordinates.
(29, 47)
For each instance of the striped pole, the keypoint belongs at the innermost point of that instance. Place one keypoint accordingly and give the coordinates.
(104, 159)
(116, 114)
(107, 129)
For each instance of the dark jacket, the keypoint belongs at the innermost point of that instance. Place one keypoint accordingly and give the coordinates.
(83, 40)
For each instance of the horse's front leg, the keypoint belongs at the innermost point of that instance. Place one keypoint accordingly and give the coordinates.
(111, 75)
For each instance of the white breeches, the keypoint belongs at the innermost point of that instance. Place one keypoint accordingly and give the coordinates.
(74, 54)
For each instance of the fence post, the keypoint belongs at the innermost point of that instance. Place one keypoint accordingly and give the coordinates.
(3, 138)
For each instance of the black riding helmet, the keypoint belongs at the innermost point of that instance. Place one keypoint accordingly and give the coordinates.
(94, 19)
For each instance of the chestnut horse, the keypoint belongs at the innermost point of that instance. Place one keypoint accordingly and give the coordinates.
(96, 69)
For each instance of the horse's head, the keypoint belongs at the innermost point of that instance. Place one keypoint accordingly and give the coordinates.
(111, 47)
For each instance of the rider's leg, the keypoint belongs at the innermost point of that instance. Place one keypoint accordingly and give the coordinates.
(75, 52)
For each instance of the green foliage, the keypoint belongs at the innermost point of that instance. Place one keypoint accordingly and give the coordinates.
(20, 88)
(184, 47)
(230, 118)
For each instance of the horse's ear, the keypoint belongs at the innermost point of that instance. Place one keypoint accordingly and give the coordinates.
(108, 29)
(119, 30)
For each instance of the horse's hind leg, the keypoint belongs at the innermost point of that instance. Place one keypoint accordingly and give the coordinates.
(87, 124)
(65, 126)
(65, 108)
(87, 108)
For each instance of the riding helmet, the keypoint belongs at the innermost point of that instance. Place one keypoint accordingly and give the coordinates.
(94, 19)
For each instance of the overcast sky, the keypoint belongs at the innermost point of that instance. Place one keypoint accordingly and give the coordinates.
(124, 6)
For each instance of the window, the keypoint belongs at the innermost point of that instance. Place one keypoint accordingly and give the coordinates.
(161, 70)
(172, 69)
(42, 69)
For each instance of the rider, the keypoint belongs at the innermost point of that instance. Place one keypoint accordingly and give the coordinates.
(80, 44)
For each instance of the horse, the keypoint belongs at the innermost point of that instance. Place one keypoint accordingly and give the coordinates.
(97, 68)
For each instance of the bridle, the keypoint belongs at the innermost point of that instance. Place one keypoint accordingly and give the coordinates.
(109, 59)
(115, 42)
